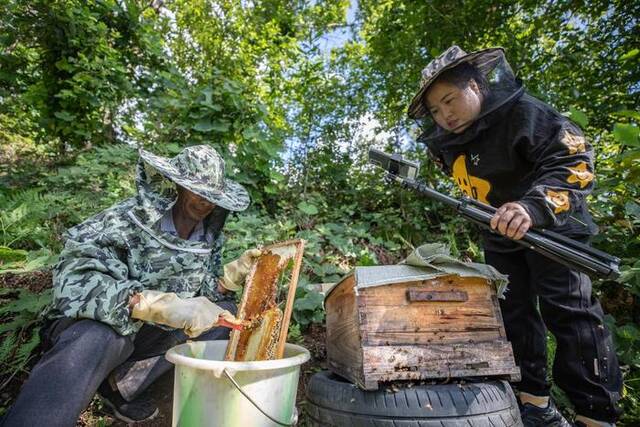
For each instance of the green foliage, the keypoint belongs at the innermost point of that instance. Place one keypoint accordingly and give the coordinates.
(83, 83)
(25, 218)
(21, 261)
(19, 315)
(308, 306)
(559, 397)
(74, 62)
(550, 44)
(34, 219)
(579, 117)
(627, 341)
(627, 134)
(307, 208)
(295, 334)
(631, 399)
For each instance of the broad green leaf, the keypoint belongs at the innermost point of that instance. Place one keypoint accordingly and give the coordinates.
(12, 255)
(628, 275)
(250, 133)
(271, 147)
(633, 209)
(207, 92)
(63, 64)
(308, 208)
(270, 189)
(635, 115)
(64, 115)
(206, 125)
(203, 125)
(366, 259)
(173, 148)
(311, 301)
(207, 102)
(631, 54)
(579, 117)
(629, 331)
(317, 316)
(627, 134)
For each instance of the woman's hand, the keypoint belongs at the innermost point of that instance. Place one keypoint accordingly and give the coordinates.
(511, 220)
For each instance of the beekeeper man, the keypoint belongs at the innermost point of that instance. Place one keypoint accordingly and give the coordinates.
(132, 282)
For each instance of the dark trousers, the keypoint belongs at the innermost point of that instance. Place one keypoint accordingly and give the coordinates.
(81, 356)
(543, 293)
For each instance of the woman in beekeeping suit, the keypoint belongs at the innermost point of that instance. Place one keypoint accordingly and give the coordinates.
(508, 149)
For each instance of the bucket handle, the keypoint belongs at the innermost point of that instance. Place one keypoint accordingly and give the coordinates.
(233, 381)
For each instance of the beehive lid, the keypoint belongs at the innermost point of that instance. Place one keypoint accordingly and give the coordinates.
(426, 262)
(367, 277)
(380, 275)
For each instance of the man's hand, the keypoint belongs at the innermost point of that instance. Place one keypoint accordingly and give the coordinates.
(236, 271)
(511, 220)
(135, 298)
(228, 320)
(220, 288)
(193, 315)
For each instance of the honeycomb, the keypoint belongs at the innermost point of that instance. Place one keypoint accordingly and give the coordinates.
(264, 338)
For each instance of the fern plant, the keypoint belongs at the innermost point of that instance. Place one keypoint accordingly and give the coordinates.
(19, 329)
(19, 261)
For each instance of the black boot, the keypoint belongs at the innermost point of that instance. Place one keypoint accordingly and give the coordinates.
(140, 409)
(535, 416)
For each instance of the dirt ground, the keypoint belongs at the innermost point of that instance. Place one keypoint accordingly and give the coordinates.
(161, 392)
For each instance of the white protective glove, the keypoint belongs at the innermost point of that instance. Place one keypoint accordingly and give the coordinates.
(193, 315)
(235, 272)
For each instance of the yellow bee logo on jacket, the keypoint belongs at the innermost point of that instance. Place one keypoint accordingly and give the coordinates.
(472, 186)
(559, 200)
(580, 174)
(575, 143)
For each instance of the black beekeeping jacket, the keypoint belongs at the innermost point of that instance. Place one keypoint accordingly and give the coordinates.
(523, 151)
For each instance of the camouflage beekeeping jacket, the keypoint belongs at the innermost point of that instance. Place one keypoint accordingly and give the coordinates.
(119, 252)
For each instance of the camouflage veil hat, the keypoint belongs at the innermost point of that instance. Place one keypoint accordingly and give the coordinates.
(484, 60)
(200, 169)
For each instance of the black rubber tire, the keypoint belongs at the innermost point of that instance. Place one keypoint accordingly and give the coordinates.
(333, 401)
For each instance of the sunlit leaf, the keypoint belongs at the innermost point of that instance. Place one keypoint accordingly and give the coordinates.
(207, 125)
(308, 208)
(64, 115)
(631, 54)
(579, 117)
(627, 134)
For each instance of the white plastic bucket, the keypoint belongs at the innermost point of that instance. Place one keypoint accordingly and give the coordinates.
(204, 395)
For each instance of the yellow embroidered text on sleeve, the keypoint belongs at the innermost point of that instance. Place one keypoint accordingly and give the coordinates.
(559, 200)
(581, 174)
(575, 143)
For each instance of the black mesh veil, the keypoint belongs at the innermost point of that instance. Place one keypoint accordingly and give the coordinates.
(501, 88)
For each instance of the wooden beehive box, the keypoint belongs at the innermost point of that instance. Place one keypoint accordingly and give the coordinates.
(388, 323)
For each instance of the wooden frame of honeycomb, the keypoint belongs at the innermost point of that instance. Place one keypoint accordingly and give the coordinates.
(266, 337)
